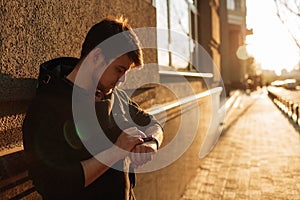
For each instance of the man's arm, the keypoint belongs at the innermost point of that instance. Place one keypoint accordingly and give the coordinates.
(142, 154)
(96, 166)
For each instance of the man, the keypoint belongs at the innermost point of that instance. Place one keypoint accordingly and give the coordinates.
(68, 158)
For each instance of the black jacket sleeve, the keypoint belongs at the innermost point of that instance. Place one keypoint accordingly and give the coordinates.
(141, 118)
(137, 114)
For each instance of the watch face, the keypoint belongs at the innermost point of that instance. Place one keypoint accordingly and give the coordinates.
(148, 139)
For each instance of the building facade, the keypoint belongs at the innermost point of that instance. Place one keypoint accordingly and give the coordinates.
(234, 31)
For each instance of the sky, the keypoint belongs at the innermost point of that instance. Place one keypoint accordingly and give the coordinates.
(271, 44)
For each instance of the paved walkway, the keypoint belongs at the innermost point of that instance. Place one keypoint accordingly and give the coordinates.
(257, 157)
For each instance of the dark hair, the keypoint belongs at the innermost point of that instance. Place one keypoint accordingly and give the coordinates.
(108, 28)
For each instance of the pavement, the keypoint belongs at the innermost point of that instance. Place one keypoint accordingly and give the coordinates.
(257, 156)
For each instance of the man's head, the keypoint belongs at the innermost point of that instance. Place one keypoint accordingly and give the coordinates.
(108, 28)
(112, 44)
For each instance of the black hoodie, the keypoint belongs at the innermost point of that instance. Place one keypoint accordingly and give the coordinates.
(54, 147)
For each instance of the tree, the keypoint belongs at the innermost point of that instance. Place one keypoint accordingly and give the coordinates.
(288, 11)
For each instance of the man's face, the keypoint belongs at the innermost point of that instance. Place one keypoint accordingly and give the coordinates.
(114, 74)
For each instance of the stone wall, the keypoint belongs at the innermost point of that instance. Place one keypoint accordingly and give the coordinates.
(33, 32)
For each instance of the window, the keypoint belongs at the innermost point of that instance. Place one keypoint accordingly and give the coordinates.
(230, 4)
(237, 4)
(175, 17)
(234, 5)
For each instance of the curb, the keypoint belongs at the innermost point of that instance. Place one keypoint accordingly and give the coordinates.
(229, 102)
(232, 99)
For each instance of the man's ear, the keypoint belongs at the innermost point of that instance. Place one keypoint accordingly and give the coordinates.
(97, 56)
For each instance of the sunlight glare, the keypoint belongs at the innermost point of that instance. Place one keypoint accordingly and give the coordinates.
(270, 45)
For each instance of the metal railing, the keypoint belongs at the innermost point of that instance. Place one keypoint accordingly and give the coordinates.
(288, 101)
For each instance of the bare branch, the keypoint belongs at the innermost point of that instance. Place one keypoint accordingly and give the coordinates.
(284, 23)
(290, 10)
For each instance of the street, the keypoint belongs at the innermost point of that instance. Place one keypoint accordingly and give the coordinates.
(257, 156)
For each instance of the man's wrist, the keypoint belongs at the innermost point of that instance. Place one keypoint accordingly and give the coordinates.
(152, 142)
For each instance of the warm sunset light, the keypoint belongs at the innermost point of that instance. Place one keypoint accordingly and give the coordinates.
(271, 44)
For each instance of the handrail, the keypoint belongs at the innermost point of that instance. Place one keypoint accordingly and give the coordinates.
(183, 101)
(192, 74)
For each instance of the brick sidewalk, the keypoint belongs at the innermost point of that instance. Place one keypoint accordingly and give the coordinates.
(257, 157)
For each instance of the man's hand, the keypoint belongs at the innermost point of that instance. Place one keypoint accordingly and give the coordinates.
(128, 140)
(143, 153)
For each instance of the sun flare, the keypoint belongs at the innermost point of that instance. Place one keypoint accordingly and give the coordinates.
(271, 45)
